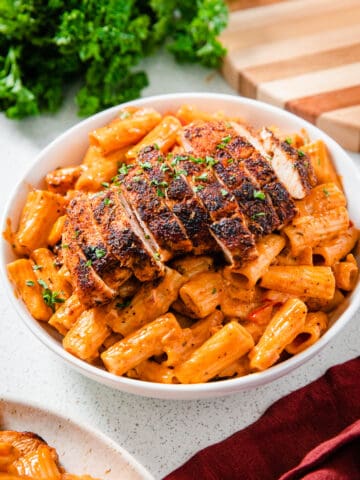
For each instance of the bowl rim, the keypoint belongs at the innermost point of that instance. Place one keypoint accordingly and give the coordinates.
(175, 391)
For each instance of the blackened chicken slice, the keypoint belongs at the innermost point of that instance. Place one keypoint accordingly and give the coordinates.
(228, 225)
(156, 219)
(229, 153)
(170, 179)
(92, 243)
(259, 212)
(125, 240)
(88, 285)
(293, 169)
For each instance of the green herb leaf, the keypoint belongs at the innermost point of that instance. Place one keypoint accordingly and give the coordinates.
(288, 140)
(37, 267)
(29, 283)
(258, 194)
(224, 142)
(224, 192)
(257, 215)
(301, 153)
(100, 252)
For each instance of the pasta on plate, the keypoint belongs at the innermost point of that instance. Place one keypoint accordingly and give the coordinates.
(25, 455)
(187, 247)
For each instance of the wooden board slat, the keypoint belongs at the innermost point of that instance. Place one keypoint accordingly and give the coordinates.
(301, 55)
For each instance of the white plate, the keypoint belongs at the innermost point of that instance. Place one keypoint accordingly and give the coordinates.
(69, 148)
(81, 449)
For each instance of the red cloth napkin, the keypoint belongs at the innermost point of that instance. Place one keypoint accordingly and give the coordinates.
(312, 433)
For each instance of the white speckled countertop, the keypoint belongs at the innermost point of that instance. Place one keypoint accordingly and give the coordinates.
(160, 434)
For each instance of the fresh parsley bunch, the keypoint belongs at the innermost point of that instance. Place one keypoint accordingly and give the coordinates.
(46, 45)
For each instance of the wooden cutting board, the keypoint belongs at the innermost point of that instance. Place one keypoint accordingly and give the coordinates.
(301, 55)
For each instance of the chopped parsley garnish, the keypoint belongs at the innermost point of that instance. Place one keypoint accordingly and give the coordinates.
(123, 304)
(42, 283)
(157, 256)
(198, 188)
(258, 194)
(230, 161)
(147, 236)
(124, 169)
(159, 184)
(213, 291)
(105, 184)
(164, 167)
(88, 263)
(30, 283)
(137, 179)
(160, 193)
(224, 192)
(146, 166)
(178, 173)
(100, 252)
(288, 140)
(210, 161)
(196, 159)
(203, 177)
(107, 201)
(257, 215)
(50, 297)
(224, 142)
(301, 153)
(177, 159)
(37, 267)
(156, 146)
(64, 245)
(77, 233)
(326, 192)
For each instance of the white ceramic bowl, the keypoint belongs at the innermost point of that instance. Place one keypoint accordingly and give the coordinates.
(69, 148)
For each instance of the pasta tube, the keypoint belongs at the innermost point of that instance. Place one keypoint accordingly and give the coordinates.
(46, 271)
(63, 179)
(315, 325)
(39, 214)
(285, 325)
(163, 136)
(87, 335)
(152, 372)
(346, 274)
(189, 113)
(321, 162)
(302, 281)
(268, 248)
(330, 252)
(218, 352)
(8, 454)
(67, 314)
(126, 130)
(202, 293)
(21, 274)
(190, 266)
(310, 230)
(39, 464)
(148, 303)
(141, 345)
(98, 169)
(56, 231)
(321, 199)
(201, 331)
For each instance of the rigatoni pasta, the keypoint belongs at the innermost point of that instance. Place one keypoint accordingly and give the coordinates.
(25, 455)
(259, 285)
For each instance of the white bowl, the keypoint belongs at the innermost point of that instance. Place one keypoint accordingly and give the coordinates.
(69, 148)
(81, 449)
